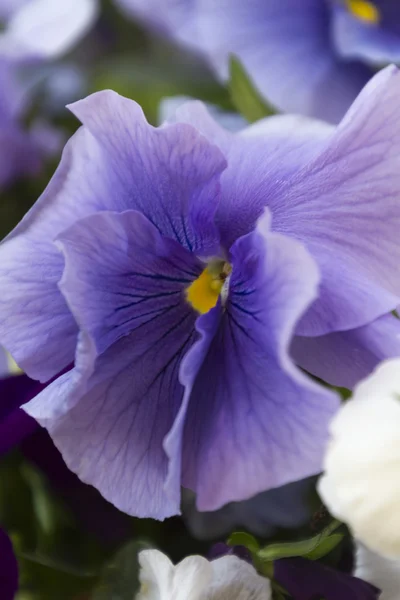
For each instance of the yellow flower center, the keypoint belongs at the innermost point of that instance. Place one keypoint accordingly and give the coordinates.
(364, 11)
(204, 292)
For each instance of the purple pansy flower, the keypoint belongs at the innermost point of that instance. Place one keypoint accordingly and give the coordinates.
(175, 265)
(305, 56)
(8, 568)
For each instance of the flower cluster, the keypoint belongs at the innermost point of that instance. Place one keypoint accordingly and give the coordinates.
(199, 316)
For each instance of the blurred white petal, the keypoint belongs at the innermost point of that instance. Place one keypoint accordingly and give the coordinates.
(360, 485)
(382, 572)
(195, 578)
(47, 28)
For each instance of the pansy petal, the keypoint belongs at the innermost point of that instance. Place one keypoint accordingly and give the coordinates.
(254, 421)
(29, 273)
(161, 171)
(259, 156)
(236, 578)
(170, 174)
(109, 416)
(355, 39)
(46, 29)
(344, 207)
(156, 574)
(343, 358)
(119, 273)
(258, 32)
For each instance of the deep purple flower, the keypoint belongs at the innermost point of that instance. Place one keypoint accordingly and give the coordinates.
(306, 56)
(309, 580)
(8, 568)
(141, 229)
(15, 390)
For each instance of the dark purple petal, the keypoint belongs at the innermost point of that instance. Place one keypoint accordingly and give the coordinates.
(127, 294)
(15, 424)
(309, 580)
(8, 568)
(343, 358)
(116, 162)
(254, 421)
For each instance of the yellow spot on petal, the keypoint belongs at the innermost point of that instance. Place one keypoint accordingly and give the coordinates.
(364, 11)
(204, 292)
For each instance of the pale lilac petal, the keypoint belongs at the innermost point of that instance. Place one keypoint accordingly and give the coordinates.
(254, 421)
(162, 171)
(35, 323)
(110, 415)
(343, 358)
(258, 157)
(345, 208)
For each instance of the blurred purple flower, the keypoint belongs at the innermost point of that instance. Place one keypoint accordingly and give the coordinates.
(153, 226)
(310, 580)
(305, 56)
(8, 568)
(35, 31)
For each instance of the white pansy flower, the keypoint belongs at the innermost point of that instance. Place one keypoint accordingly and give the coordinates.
(44, 28)
(360, 485)
(195, 578)
(384, 573)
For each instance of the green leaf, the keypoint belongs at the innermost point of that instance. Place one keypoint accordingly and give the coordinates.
(120, 578)
(303, 548)
(240, 538)
(325, 547)
(244, 95)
